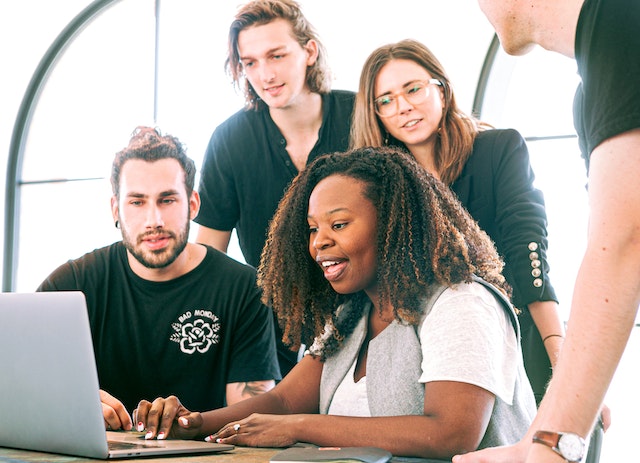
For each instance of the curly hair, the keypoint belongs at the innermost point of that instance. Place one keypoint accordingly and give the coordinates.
(148, 144)
(457, 130)
(425, 238)
(261, 12)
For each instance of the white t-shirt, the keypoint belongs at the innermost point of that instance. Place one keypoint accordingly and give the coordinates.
(467, 337)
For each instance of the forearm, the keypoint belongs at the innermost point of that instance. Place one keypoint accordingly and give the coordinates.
(412, 436)
(606, 295)
(547, 319)
(603, 313)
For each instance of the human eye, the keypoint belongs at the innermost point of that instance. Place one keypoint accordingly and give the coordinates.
(312, 229)
(247, 63)
(168, 200)
(339, 225)
(414, 88)
(384, 101)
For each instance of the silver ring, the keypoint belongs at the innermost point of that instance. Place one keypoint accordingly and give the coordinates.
(236, 427)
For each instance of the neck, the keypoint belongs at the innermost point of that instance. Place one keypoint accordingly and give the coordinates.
(555, 24)
(426, 158)
(305, 114)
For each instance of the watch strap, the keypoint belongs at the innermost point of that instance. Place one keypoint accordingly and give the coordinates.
(552, 440)
(548, 438)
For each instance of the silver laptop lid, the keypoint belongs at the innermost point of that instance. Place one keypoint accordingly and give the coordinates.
(49, 393)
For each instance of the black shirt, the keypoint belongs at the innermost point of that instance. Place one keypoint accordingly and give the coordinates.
(189, 336)
(607, 101)
(247, 169)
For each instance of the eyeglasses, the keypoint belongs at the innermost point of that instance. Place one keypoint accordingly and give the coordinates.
(414, 93)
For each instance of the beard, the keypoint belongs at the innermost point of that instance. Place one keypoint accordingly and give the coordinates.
(160, 258)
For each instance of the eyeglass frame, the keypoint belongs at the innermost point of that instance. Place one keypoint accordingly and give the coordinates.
(403, 94)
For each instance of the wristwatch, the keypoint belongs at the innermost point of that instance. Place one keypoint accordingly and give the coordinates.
(568, 445)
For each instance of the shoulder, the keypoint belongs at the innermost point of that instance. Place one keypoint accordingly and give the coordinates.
(492, 138)
(494, 147)
(473, 291)
(342, 95)
(225, 265)
(468, 306)
(341, 100)
(240, 133)
(75, 271)
(100, 257)
(235, 123)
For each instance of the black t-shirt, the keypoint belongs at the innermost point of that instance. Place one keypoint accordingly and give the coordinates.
(189, 336)
(247, 169)
(607, 102)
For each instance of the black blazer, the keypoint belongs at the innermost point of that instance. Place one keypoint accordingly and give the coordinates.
(496, 187)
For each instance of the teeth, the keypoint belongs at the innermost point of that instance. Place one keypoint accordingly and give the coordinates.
(328, 263)
(411, 124)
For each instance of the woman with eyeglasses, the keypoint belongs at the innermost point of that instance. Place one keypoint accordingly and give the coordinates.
(405, 99)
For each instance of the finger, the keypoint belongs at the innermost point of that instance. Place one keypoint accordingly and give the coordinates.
(229, 431)
(140, 415)
(160, 417)
(169, 416)
(605, 418)
(114, 412)
(124, 418)
(111, 418)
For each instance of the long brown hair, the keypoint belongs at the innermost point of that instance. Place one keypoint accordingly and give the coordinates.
(260, 12)
(425, 238)
(457, 130)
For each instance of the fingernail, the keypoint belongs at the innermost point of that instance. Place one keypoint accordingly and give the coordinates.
(148, 435)
(160, 436)
(218, 440)
(208, 439)
(183, 421)
(140, 427)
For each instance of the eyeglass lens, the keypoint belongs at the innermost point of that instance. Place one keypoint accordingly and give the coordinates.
(415, 93)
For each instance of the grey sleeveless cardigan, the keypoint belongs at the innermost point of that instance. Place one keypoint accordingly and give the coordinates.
(394, 367)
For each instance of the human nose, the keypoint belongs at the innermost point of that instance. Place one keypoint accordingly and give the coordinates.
(321, 240)
(403, 103)
(154, 217)
(267, 73)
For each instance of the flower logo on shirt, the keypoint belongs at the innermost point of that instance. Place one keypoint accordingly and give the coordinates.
(197, 335)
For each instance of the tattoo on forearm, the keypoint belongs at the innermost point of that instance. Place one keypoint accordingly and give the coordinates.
(253, 388)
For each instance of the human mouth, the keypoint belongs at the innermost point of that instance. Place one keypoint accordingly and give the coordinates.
(155, 242)
(411, 123)
(275, 90)
(333, 269)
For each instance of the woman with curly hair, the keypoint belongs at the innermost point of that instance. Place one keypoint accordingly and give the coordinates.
(416, 345)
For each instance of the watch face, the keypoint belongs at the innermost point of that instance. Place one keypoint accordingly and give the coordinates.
(571, 446)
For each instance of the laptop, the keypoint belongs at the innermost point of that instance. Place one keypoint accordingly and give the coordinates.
(49, 399)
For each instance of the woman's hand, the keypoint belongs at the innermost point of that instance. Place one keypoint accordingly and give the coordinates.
(258, 430)
(167, 418)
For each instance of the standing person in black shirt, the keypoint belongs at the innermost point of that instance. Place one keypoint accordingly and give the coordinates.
(291, 116)
(167, 315)
(604, 38)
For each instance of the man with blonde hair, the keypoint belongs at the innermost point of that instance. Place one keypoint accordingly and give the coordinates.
(291, 116)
